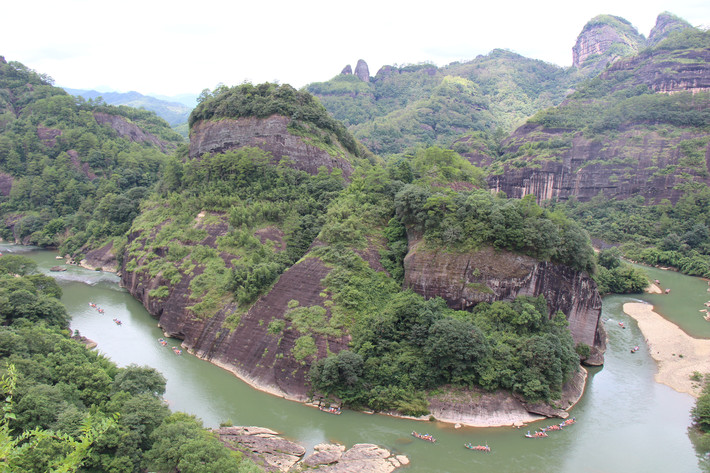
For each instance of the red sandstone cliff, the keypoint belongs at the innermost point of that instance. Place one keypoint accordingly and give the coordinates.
(270, 134)
(487, 275)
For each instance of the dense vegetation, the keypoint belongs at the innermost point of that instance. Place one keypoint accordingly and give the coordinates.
(66, 407)
(660, 234)
(241, 191)
(402, 344)
(266, 99)
(75, 182)
(422, 105)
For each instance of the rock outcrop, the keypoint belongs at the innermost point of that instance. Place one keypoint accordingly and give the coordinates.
(240, 342)
(274, 453)
(362, 71)
(270, 134)
(487, 275)
(347, 70)
(103, 259)
(603, 40)
(666, 24)
(130, 131)
(635, 161)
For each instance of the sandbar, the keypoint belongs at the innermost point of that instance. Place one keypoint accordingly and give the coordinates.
(653, 289)
(677, 354)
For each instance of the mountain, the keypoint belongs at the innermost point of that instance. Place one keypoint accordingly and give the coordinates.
(277, 248)
(638, 129)
(173, 112)
(72, 173)
(404, 107)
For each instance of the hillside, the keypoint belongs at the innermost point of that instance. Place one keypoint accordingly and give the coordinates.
(174, 112)
(275, 271)
(72, 172)
(404, 107)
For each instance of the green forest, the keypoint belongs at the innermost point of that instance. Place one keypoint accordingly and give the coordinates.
(66, 407)
(219, 231)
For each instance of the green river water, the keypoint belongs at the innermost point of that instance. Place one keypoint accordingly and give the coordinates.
(626, 422)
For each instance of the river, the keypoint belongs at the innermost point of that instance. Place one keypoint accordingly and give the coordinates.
(626, 422)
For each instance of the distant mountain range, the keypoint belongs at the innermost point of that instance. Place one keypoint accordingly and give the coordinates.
(174, 110)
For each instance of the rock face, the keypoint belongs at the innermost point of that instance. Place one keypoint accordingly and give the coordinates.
(240, 342)
(362, 71)
(479, 408)
(103, 258)
(274, 453)
(464, 280)
(629, 164)
(347, 70)
(666, 24)
(130, 131)
(603, 40)
(48, 136)
(270, 134)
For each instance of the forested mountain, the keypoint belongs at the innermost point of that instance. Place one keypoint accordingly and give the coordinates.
(173, 112)
(402, 107)
(639, 131)
(72, 172)
(348, 248)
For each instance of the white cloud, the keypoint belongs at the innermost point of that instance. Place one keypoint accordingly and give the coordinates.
(180, 46)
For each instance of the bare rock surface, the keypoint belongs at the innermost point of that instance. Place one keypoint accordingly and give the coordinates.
(270, 134)
(464, 280)
(274, 453)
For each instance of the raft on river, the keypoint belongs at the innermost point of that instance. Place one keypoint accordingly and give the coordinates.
(426, 437)
(536, 435)
(480, 448)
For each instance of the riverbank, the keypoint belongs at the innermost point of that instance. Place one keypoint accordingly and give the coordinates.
(678, 355)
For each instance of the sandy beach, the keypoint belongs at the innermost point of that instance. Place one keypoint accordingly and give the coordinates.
(678, 354)
(653, 289)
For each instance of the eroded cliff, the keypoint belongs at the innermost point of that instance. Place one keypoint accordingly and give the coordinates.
(487, 275)
(270, 134)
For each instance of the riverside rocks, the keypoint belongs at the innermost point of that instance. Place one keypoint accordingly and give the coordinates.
(265, 447)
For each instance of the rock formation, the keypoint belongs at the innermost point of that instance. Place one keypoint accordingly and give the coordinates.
(603, 40)
(130, 131)
(362, 71)
(488, 275)
(347, 70)
(666, 24)
(240, 342)
(626, 166)
(274, 453)
(270, 134)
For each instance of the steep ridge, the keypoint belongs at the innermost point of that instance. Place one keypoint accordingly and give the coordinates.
(487, 275)
(637, 129)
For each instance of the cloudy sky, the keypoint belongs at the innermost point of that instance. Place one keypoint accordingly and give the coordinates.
(161, 47)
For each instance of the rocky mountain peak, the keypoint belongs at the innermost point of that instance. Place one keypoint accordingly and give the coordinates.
(603, 40)
(362, 71)
(666, 23)
(347, 70)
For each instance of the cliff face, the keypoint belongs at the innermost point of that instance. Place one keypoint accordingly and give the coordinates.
(636, 161)
(130, 131)
(240, 341)
(602, 41)
(270, 134)
(464, 280)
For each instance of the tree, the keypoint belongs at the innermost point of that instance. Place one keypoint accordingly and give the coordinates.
(136, 380)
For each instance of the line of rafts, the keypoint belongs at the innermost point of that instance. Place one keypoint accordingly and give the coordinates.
(101, 311)
(542, 433)
(164, 343)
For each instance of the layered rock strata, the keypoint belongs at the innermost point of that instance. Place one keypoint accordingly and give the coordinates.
(270, 134)
(636, 161)
(466, 279)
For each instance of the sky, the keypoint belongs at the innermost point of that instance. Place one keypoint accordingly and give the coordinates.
(174, 47)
